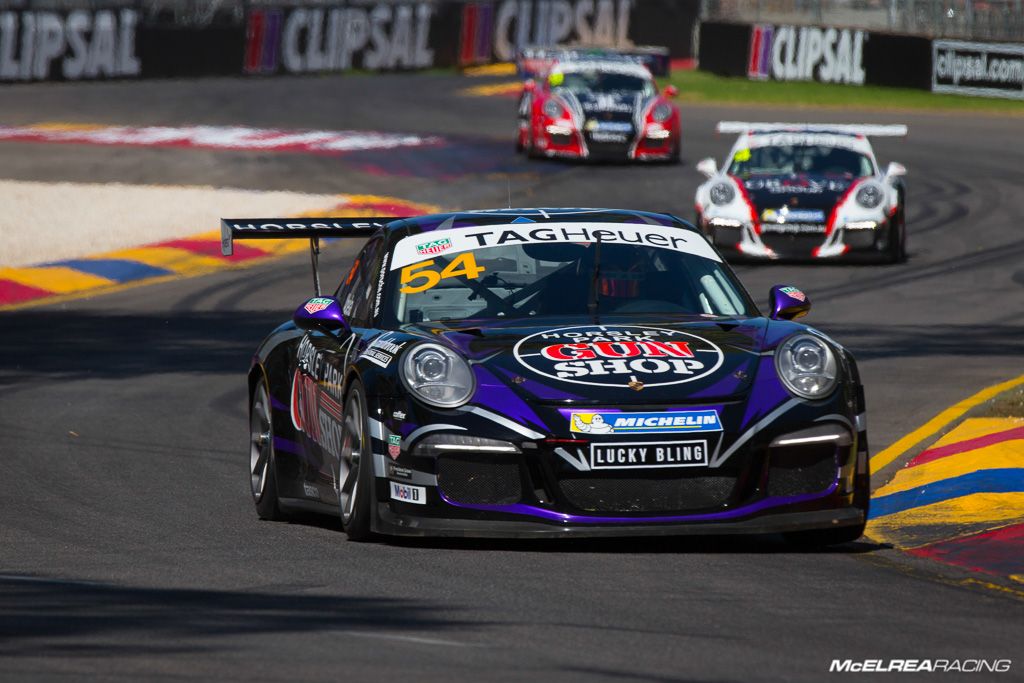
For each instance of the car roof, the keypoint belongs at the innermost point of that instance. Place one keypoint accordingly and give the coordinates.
(459, 219)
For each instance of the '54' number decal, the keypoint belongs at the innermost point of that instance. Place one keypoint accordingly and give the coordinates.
(419, 277)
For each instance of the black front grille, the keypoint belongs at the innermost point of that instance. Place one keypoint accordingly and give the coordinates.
(609, 149)
(792, 244)
(653, 493)
(801, 470)
(480, 478)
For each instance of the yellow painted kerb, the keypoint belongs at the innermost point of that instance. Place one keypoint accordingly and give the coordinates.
(937, 423)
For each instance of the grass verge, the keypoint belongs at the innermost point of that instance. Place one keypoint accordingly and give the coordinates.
(700, 86)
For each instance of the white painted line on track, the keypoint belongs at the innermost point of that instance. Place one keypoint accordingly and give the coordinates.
(418, 640)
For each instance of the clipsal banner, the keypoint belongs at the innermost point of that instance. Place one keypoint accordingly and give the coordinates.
(382, 36)
(806, 53)
(78, 45)
(498, 29)
(618, 355)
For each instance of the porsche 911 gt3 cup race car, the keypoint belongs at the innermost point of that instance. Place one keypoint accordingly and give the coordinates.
(598, 108)
(551, 372)
(804, 191)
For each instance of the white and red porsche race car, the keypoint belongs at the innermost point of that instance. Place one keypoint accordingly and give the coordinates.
(803, 191)
(603, 107)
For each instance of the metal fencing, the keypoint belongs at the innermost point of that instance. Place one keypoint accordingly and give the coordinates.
(967, 19)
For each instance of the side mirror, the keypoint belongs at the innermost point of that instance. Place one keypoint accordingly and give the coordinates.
(787, 303)
(894, 170)
(708, 167)
(321, 313)
(530, 85)
(671, 91)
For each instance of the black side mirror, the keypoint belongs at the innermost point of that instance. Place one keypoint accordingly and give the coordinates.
(787, 303)
(321, 313)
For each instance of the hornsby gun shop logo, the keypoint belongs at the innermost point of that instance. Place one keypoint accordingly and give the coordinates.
(616, 355)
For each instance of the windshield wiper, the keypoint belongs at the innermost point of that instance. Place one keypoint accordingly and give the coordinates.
(592, 300)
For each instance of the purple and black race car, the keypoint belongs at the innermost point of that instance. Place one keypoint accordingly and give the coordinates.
(551, 372)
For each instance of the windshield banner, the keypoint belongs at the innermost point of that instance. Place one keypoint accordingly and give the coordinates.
(443, 242)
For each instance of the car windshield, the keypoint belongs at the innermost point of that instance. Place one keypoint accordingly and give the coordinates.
(800, 160)
(509, 271)
(593, 80)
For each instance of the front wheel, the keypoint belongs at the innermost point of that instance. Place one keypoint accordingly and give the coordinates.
(354, 482)
(262, 463)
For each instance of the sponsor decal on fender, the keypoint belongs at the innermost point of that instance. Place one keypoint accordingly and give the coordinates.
(316, 399)
(382, 350)
(648, 455)
(394, 446)
(667, 422)
(616, 355)
(316, 305)
(403, 493)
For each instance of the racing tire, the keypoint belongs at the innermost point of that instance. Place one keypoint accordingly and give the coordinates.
(676, 157)
(897, 252)
(819, 538)
(262, 461)
(354, 482)
(531, 148)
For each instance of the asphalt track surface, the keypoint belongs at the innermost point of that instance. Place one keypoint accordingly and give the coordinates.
(129, 548)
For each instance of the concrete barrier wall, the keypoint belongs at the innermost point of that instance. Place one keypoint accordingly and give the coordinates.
(848, 56)
(95, 43)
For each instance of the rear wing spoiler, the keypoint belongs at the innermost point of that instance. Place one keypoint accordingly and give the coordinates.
(865, 129)
(232, 229)
(535, 62)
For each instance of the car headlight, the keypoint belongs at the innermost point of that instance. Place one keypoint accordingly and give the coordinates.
(553, 109)
(437, 375)
(806, 366)
(870, 196)
(661, 113)
(722, 194)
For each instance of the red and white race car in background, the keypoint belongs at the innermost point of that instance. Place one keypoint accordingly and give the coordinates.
(803, 191)
(603, 107)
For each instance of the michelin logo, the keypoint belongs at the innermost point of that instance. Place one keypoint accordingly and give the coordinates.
(669, 422)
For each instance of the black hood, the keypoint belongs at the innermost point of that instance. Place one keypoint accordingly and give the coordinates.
(609, 105)
(809, 192)
(668, 361)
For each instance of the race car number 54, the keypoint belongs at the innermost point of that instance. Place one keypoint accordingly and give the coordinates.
(427, 277)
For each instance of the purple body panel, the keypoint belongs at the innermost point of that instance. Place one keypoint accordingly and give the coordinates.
(320, 310)
(500, 398)
(551, 515)
(788, 302)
